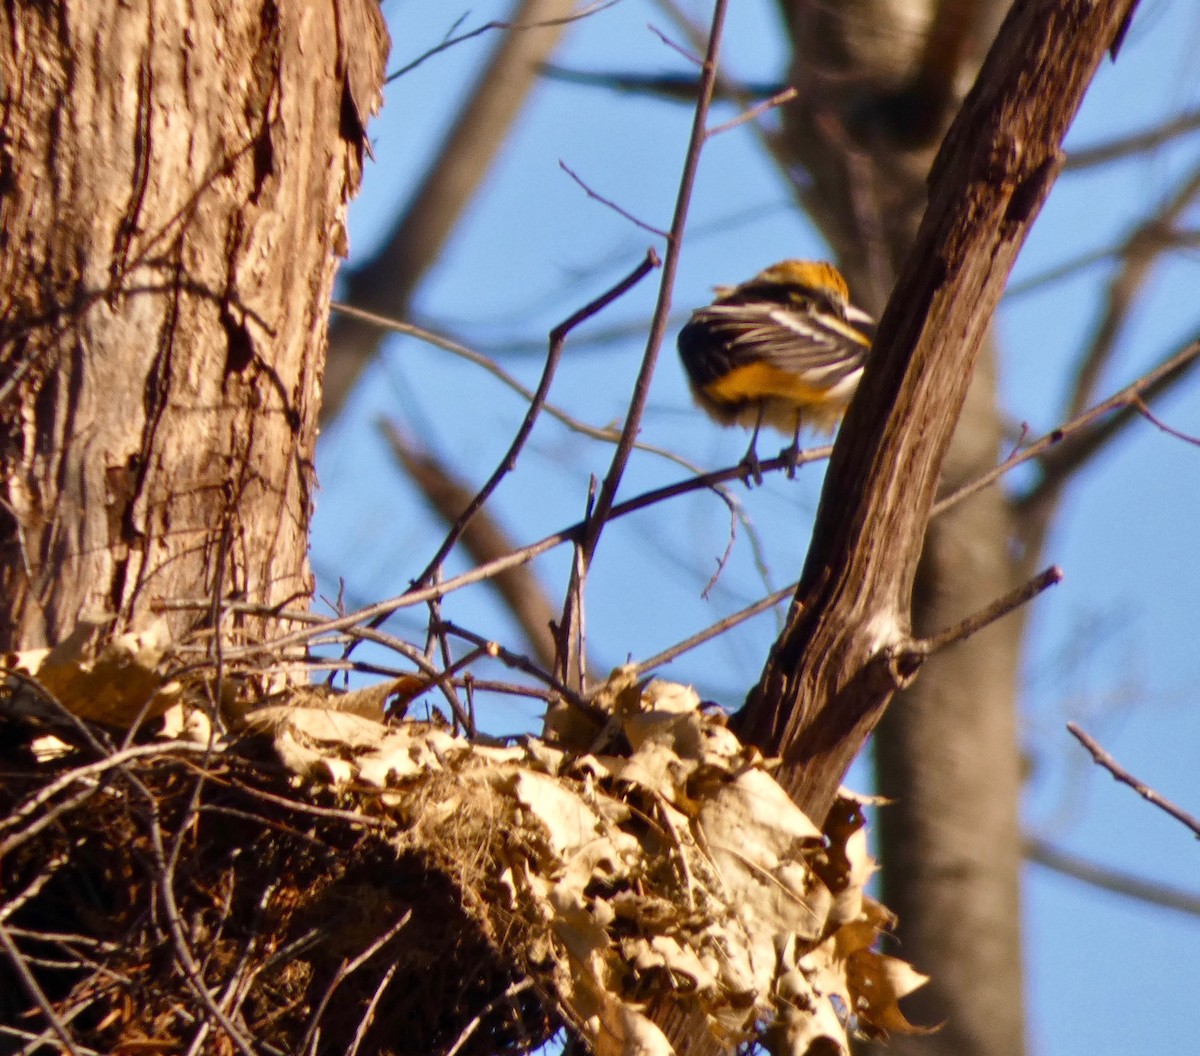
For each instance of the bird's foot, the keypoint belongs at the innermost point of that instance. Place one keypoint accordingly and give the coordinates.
(751, 469)
(791, 458)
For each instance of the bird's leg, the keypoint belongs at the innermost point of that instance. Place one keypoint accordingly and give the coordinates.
(792, 451)
(751, 469)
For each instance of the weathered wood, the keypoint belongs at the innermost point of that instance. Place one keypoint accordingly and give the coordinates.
(827, 680)
(173, 183)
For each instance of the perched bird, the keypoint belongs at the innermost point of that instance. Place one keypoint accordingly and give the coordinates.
(785, 348)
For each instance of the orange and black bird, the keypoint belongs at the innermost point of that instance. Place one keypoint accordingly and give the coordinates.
(785, 348)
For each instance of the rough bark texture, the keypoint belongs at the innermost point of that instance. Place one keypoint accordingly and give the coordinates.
(883, 80)
(173, 181)
(843, 653)
(832, 673)
(947, 754)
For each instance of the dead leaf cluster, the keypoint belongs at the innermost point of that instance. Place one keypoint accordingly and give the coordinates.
(660, 858)
(317, 873)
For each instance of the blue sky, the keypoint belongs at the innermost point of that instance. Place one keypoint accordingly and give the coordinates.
(1114, 647)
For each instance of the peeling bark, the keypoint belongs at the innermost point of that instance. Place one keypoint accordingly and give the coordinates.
(173, 183)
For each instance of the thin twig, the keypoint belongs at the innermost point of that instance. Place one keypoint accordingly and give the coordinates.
(989, 614)
(1123, 399)
(1126, 778)
(594, 524)
(516, 661)
(183, 952)
(82, 773)
(714, 630)
(364, 1023)
(351, 622)
(450, 667)
(351, 818)
(35, 992)
(1056, 273)
(1141, 251)
(92, 990)
(1044, 853)
(608, 436)
(681, 51)
(473, 137)
(623, 213)
(1101, 428)
(20, 899)
(37, 1042)
(778, 99)
(1140, 406)
(46, 707)
(489, 27)
(558, 337)
(483, 539)
(513, 989)
(1171, 240)
(346, 969)
(1136, 143)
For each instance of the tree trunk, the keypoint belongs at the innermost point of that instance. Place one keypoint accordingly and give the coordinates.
(946, 754)
(881, 81)
(173, 183)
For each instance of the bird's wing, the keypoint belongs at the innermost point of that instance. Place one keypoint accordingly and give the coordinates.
(799, 343)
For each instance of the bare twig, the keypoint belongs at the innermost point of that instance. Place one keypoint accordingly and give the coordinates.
(681, 51)
(20, 899)
(608, 436)
(183, 952)
(1137, 143)
(755, 112)
(352, 818)
(34, 991)
(1140, 405)
(496, 24)
(714, 630)
(1171, 240)
(558, 337)
(1138, 256)
(346, 969)
(34, 699)
(520, 986)
(623, 213)
(352, 622)
(1086, 441)
(484, 539)
(85, 774)
(1126, 778)
(1093, 431)
(515, 661)
(594, 524)
(37, 1042)
(480, 128)
(364, 1024)
(998, 609)
(1044, 853)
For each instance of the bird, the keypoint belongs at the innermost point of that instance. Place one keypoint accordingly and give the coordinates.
(785, 348)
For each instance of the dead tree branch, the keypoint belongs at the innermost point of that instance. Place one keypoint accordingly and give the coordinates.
(1119, 773)
(821, 692)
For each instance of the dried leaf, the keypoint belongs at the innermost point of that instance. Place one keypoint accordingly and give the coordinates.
(117, 681)
(680, 867)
